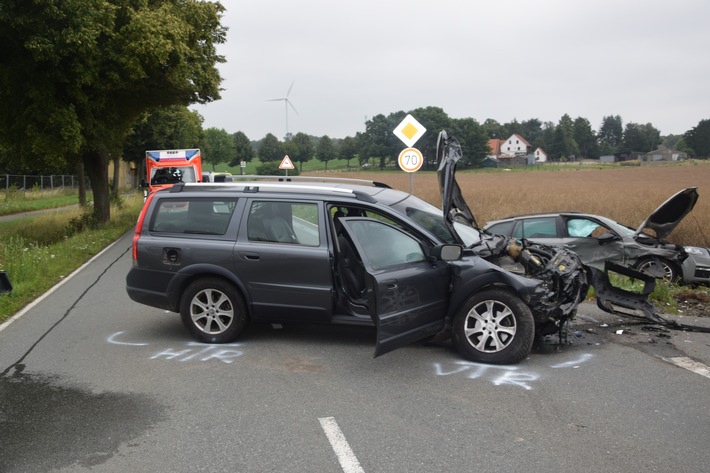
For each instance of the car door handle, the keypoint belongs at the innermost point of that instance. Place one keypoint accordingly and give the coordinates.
(391, 284)
(570, 245)
(251, 256)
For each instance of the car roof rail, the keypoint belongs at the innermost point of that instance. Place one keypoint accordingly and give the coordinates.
(344, 180)
(254, 187)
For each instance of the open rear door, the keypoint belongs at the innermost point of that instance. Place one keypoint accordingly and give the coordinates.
(407, 293)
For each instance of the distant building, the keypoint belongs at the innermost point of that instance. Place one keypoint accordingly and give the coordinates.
(515, 145)
(665, 154)
(513, 151)
(494, 144)
(539, 156)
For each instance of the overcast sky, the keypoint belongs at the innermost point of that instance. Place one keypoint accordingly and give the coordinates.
(645, 60)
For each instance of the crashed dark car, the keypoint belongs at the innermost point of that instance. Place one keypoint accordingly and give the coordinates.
(597, 239)
(344, 251)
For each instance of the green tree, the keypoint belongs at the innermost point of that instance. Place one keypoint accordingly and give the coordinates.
(174, 127)
(243, 150)
(515, 127)
(326, 150)
(270, 149)
(532, 131)
(218, 147)
(84, 71)
(698, 138)
(643, 138)
(379, 141)
(564, 144)
(611, 135)
(548, 136)
(473, 140)
(348, 149)
(586, 139)
(495, 130)
(303, 149)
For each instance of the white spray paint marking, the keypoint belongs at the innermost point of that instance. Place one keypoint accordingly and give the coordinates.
(502, 375)
(345, 454)
(114, 340)
(209, 352)
(510, 374)
(574, 363)
(194, 351)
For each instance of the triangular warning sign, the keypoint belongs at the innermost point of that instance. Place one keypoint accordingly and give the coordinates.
(286, 163)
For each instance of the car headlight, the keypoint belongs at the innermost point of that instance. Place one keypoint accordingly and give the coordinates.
(694, 250)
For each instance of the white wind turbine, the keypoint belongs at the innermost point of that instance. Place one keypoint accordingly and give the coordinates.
(287, 103)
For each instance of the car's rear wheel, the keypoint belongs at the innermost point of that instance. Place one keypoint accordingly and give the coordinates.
(213, 310)
(667, 269)
(494, 326)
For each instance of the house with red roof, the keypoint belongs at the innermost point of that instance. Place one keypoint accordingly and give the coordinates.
(514, 150)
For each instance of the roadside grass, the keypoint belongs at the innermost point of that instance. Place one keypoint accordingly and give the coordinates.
(665, 295)
(13, 200)
(39, 252)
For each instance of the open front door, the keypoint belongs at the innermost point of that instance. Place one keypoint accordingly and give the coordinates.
(407, 293)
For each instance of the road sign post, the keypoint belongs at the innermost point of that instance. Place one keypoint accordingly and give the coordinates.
(410, 159)
(286, 164)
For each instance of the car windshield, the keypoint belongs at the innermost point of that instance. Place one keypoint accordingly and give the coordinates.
(618, 227)
(431, 218)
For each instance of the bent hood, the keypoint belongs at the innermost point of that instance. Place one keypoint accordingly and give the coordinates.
(448, 153)
(666, 217)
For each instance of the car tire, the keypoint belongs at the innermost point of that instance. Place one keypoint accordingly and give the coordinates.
(213, 310)
(669, 269)
(494, 326)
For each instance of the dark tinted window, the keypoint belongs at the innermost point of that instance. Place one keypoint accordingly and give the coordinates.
(195, 216)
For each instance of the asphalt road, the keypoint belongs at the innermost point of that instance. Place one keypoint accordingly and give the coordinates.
(91, 381)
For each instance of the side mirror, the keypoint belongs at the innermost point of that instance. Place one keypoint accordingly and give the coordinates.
(143, 183)
(447, 252)
(606, 238)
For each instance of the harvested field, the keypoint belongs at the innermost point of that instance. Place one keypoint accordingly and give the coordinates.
(626, 194)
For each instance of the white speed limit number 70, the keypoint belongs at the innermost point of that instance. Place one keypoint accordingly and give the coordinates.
(410, 160)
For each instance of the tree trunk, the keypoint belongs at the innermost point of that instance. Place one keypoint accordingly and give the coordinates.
(82, 183)
(96, 166)
(116, 175)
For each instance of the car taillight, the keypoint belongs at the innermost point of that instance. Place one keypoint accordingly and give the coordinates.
(139, 227)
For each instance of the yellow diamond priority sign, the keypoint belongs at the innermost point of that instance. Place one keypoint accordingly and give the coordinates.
(409, 130)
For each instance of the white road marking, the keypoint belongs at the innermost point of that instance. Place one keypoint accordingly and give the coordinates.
(340, 445)
(690, 365)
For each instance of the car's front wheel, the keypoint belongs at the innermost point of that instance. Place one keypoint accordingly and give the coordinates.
(213, 310)
(494, 326)
(668, 271)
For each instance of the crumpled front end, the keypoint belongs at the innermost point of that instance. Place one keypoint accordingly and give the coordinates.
(563, 278)
(564, 286)
(562, 275)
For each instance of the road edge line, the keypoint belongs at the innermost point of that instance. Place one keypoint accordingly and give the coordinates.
(29, 306)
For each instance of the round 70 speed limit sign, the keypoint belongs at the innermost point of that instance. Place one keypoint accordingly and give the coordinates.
(410, 159)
